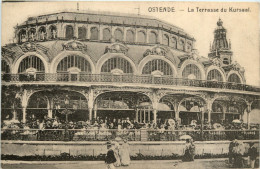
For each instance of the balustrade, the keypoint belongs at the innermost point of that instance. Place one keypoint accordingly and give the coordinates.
(131, 134)
(125, 78)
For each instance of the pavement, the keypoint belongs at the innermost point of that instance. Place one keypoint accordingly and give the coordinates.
(148, 164)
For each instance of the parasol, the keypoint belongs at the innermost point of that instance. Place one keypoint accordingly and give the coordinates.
(118, 139)
(236, 121)
(184, 137)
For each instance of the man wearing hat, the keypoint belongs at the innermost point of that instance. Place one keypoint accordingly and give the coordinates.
(110, 157)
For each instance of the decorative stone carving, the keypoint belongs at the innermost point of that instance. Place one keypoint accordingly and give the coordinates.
(117, 48)
(74, 46)
(156, 51)
(29, 47)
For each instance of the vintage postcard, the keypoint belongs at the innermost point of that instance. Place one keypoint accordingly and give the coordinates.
(133, 85)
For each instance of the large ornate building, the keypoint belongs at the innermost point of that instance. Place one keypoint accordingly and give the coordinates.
(114, 65)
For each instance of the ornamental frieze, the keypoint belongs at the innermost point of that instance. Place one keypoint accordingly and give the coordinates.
(116, 48)
(156, 51)
(74, 46)
(29, 47)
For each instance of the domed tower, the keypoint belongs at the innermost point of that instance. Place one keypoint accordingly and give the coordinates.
(221, 48)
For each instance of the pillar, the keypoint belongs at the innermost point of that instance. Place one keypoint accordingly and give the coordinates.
(136, 115)
(141, 118)
(144, 116)
(24, 114)
(14, 115)
(95, 113)
(209, 116)
(49, 107)
(90, 114)
(155, 115)
(248, 114)
(149, 115)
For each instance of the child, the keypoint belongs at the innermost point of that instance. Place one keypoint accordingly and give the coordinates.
(110, 157)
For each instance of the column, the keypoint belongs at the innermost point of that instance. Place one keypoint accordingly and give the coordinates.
(249, 108)
(209, 116)
(24, 114)
(144, 116)
(136, 115)
(149, 115)
(95, 113)
(141, 118)
(155, 115)
(14, 115)
(90, 114)
(49, 107)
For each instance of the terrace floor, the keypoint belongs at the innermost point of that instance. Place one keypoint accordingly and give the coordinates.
(165, 164)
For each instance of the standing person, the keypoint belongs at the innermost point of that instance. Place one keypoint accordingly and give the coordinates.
(192, 149)
(187, 154)
(110, 157)
(124, 153)
(231, 153)
(116, 152)
(252, 154)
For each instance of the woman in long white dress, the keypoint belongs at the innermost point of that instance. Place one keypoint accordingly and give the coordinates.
(124, 153)
(116, 152)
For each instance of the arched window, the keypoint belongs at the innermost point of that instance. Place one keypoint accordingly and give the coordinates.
(141, 37)
(32, 33)
(157, 65)
(116, 63)
(153, 37)
(106, 34)
(22, 36)
(214, 75)
(42, 33)
(188, 47)
(31, 63)
(191, 71)
(165, 40)
(173, 43)
(82, 32)
(225, 61)
(182, 45)
(119, 35)
(94, 33)
(74, 61)
(53, 32)
(5, 67)
(130, 36)
(69, 32)
(234, 78)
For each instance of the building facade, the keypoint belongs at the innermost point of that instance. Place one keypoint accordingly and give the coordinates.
(119, 66)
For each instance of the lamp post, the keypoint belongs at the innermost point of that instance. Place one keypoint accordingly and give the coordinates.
(66, 112)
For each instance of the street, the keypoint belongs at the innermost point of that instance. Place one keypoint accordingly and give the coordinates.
(166, 164)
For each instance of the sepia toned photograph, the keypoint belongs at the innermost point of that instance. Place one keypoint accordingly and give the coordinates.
(130, 85)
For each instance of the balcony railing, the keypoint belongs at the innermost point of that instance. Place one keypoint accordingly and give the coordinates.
(126, 78)
(130, 134)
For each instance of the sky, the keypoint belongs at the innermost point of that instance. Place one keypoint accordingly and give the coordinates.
(242, 27)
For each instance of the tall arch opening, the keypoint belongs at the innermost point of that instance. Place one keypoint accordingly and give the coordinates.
(191, 71)
(157, 67)
(117, 65)
(69, 32)
(106, 34)
(215, 75)
(130, 36)
(141, 37)
(119, 36)
(153, 37)
(234, 78)
(82, 33)
(94, 33)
